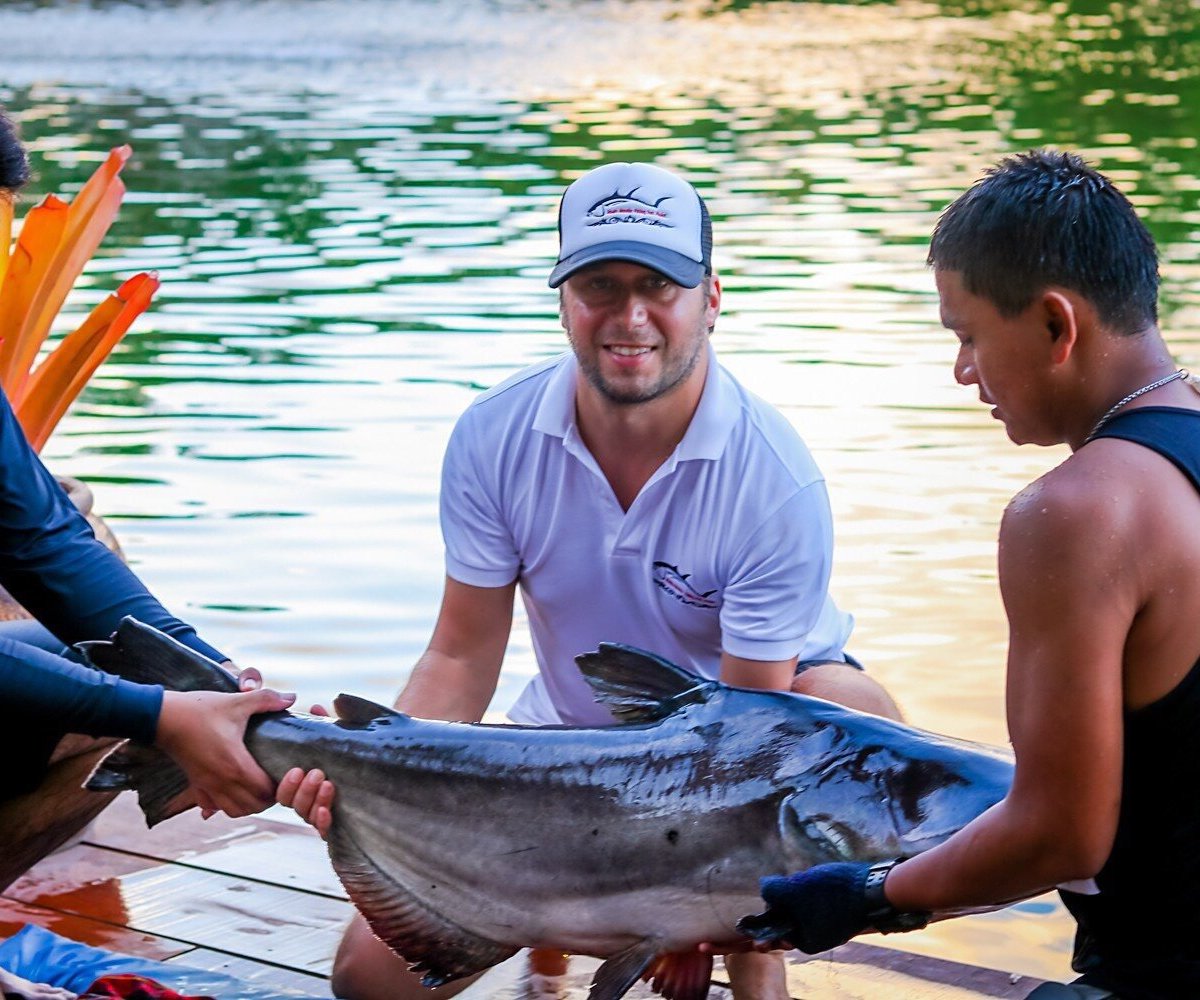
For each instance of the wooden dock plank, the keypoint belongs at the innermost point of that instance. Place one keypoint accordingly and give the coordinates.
(258, 848)
(257, 920)
(258, 973)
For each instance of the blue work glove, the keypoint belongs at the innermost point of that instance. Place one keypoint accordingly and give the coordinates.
(823, 907)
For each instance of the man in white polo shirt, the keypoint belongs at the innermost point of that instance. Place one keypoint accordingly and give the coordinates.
(634, 492)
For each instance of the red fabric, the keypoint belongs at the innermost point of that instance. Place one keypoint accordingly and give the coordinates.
(127, 986)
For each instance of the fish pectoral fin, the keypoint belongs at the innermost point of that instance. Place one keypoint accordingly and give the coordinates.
(431, 942)
(637, 686)
(681, 975)
(617, 974)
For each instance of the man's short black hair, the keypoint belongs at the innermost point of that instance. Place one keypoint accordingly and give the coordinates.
(1046, 218)
(14, 167)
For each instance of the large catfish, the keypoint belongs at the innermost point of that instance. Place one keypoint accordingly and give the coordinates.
(462, 843)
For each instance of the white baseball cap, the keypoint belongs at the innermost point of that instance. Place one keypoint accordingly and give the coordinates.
(635, 212)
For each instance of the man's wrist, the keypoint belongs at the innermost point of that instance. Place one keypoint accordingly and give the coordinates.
(881, 914)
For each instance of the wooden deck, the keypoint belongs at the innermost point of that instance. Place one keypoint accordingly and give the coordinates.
(257, 899)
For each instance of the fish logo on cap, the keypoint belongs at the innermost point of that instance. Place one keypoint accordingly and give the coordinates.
(619, 207)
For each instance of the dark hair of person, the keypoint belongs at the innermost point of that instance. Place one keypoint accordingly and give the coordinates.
(14, 167)
(1045, 218)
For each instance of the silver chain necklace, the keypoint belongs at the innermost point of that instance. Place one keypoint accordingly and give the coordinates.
(1178, 373)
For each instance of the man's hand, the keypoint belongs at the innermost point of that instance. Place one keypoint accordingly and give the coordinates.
(310, 795)
(203, 732)
(821, 908)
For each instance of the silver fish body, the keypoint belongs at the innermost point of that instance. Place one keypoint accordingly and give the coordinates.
(462, 843)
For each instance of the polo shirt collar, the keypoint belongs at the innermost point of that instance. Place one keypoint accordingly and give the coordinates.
(705, 437)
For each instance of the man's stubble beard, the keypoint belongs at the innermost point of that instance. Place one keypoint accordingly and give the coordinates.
(670, 379)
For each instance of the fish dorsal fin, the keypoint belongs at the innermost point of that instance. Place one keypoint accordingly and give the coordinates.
(637, 686)
(617, 975)
(432, 944)
(140, 652)
(358, 713)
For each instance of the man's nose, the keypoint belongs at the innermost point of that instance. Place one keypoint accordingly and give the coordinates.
(636, 313)
(964, 368)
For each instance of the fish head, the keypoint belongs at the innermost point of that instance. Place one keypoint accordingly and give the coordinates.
(896, 796)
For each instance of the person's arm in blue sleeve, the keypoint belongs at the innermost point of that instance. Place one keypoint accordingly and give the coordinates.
(39, 687)
(51, 562)
(201, 730)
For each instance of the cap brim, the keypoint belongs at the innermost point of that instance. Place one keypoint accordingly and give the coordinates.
(680, 269)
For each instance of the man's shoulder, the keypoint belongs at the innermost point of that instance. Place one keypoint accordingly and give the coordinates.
(1072, 489)
(526, 384)
(762, 429)
(514, 402)
(1102, 493)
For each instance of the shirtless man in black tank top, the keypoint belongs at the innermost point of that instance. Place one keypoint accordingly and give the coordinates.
(1049, 281)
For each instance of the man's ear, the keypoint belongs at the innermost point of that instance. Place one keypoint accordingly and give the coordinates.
(712, 308)
(1062, 324)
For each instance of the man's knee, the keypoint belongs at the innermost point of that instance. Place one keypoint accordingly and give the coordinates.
(757, 976)
(367, 969)
(846, 685)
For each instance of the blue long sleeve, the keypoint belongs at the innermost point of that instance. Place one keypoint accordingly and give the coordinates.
(39, 687)
(51, 562)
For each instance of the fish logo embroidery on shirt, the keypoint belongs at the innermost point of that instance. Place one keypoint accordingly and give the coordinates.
(667, 577)
(618, 207)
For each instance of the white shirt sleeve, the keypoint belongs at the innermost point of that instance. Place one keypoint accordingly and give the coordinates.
(776, 603)
(480, 550)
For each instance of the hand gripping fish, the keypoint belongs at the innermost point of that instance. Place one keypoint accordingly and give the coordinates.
(646, 837)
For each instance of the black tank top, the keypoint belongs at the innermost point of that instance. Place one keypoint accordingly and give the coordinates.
(1140, 937)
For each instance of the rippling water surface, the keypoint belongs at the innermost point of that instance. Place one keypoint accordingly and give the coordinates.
(352, 207)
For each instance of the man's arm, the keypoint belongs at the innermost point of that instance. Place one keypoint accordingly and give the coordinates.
(456, 676)
(454, 679)
(762, 675)
(1066, 558)
(1070, 602)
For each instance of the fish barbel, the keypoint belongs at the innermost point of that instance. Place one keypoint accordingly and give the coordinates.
(462, 843)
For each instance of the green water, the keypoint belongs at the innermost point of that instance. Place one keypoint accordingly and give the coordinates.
(352, 208)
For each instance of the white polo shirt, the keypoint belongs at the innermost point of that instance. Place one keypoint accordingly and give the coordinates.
(728, 546)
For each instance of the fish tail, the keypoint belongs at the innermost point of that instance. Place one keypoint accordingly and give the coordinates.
(161, 786)
(141, 653)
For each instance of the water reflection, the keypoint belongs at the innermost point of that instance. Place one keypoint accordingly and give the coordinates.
(351, 206)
